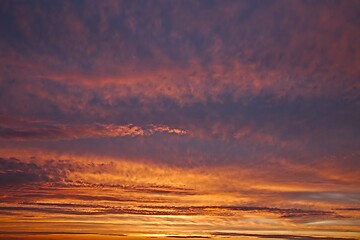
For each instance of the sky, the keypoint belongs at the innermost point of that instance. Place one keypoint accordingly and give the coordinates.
(176, 119)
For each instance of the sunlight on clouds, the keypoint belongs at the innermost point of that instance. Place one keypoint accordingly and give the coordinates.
(120, 195)
(179, 119)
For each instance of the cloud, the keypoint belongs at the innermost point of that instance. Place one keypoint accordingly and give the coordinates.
(198, 113)
(233, 210)
(349, 209)
(188, 236)
(126, 193)
(190, 60)
(66, 173)
(16, 172)
(60, 233)
(42, 130)
(104, 209)
(277, 236)
(123, 201)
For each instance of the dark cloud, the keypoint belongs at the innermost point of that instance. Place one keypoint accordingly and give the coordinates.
(282, 212)
(13, 171)
(277, 236)
(185, 51)
(348, 209)
(41, 130)
(89, 208)
(189, 236)
(60, 233)
(235, 75)
(261, 127)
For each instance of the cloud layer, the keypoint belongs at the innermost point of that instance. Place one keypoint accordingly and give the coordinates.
(169, 198)
(180, 119)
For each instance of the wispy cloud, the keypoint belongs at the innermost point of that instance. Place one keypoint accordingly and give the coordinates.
(42, 130)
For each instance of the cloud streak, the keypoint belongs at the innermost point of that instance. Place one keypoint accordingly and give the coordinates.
(277, 236)
(167, 197)
(41, 130)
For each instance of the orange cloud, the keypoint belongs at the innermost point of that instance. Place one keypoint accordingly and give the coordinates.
(158, 199)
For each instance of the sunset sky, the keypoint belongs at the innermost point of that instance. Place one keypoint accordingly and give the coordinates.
(180, 119)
